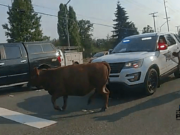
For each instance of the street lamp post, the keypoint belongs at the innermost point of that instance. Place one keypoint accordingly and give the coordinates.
(163, 24)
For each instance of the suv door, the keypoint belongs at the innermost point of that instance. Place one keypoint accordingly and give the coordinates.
(17, 63)
(172, 47)
(3, 68)
(163, 61)
(175, 59)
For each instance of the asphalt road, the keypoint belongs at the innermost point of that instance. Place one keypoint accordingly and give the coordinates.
(132, 114)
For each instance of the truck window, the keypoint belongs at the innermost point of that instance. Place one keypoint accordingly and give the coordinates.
(48, 48)
(12, 52)
(34, 49)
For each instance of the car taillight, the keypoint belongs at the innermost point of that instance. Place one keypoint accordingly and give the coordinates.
(59, 59)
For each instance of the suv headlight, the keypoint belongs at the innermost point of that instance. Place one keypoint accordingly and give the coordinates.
(134, 64)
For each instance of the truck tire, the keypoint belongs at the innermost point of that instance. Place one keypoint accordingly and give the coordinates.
(177, 73)
(151, 82)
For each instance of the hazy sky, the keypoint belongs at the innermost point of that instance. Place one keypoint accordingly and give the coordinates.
(102, 11)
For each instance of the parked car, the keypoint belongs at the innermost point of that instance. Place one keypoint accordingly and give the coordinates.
(141, 61)
(99, 54)
(17, 60)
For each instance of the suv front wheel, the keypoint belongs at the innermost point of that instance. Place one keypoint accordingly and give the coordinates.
(151, 82)
(177, 73)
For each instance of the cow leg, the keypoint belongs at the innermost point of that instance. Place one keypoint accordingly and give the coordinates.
(65, 102)
(91, 97)
(53, 100)
(105, 92)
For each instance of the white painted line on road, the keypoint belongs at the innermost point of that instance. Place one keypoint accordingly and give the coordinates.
(25, 119)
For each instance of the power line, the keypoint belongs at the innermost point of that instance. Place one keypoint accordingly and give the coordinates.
(72, 19)
(47, 14)
(76, 13)
(4, 5)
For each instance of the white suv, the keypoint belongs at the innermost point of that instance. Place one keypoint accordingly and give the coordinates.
(140, 61)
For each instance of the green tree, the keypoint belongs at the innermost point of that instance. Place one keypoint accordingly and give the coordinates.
(122, 27)
(61, 26)
(24, 23)
(85, 29)
(72, 26)
(132, 29)
(55, 42)
(148, 29)
(46, 38)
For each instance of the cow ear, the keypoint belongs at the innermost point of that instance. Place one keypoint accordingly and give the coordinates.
(37, 71)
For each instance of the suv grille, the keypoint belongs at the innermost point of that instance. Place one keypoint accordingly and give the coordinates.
(116, 67)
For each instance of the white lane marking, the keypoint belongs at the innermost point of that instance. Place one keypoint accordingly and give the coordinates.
(25, 119)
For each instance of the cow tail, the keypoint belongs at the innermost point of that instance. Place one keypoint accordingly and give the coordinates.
(109, 69)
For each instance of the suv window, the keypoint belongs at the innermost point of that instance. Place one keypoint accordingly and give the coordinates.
(1, 54)
(170, 40)
(48, 48)
(12, 52)
(34, 49)
(177, 38)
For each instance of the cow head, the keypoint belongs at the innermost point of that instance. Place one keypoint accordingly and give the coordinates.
(35, 79)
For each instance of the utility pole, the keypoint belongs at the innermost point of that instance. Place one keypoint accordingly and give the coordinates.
(177, 29)
(154, 19)
(67, 25)
(166, 15)
(163, 24)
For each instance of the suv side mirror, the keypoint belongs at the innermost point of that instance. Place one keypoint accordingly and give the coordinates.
(162, 47)
(110, 51)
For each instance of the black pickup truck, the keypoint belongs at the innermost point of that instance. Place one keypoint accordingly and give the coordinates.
(18, 59)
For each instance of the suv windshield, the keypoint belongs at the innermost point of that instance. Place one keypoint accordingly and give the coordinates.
(138, 44)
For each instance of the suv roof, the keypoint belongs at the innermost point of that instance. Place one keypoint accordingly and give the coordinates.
(148, 34)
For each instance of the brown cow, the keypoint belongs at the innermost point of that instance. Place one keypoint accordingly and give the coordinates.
(73, 80)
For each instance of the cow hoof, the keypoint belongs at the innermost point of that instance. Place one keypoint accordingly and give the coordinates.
(63, 108)
(57, 108)
(103, 109)
(89, 102)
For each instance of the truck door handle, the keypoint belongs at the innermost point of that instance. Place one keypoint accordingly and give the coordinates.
(1, 64)
(23, 61)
